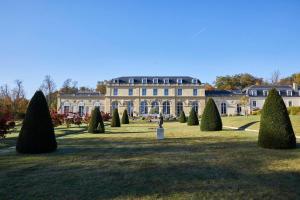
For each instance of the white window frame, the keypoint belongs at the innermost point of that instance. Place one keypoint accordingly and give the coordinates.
(265, 93)
(166, 81)
(254, 102)
(115, 80)
(130, 91)
(253, 92)
(131, 81)
(194, 81)
(195, 94)
(289, 93)
(144, 89)
(115, 91)
(178, 91)
(166, 91)
(154, 89)
(155, 80)
(179, 80)
(144, 80)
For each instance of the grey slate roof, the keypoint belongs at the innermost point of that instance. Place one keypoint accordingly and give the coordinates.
(260, 88)
(218, 93)
(138, 79)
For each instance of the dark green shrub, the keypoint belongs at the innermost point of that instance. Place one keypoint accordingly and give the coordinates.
(125, 118)
(211, 119)
(96, 124)
(276, 131)
(37, 132)
(193, 118)
(182, 117)
(115, 122)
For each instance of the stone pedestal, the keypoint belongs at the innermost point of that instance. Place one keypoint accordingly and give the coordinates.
(160, 133)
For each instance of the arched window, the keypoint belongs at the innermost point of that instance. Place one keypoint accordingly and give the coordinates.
(195, 106)
(114, 105)
(130, 108)
(81, 109)
(179, 108)
(143, 108)
(166, 108)
(223, 109)
(238, 109)
(154, 107)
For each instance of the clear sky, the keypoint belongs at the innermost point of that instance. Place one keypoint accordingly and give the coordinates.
(96, 40)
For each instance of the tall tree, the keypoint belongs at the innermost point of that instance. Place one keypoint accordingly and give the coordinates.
(101, 87)
(48, 87)
(69, 87)
(237, 81)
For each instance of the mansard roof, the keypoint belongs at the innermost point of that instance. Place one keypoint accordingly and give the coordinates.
(282, 88)
(138, 79)
(217, 93)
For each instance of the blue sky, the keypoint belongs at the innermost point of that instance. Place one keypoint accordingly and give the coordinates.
(96, 40)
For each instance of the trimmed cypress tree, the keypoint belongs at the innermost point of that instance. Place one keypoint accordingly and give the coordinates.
(115, 121)
(37, 132)
(193, 118)
(276, 131)
(125, 119)
(182, 117)
(211, 119)
(96, 124)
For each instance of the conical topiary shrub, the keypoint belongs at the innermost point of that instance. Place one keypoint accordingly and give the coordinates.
(96, 124)
(125, 118)
(193, 118)
(182, 117)
(211, 119)
(276, 131)
(37, 132)
(115, 121)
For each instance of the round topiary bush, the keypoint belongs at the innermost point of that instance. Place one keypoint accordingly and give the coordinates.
(211, 119)
(115, 121)
(193, 118)
(37, 132)
(96, 124)
(125, 118)
(276, 131)
(182, 117)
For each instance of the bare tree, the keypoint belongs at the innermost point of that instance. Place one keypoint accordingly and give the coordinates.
(18, 92)
(48, 87)
(275, 77)
(4, 91)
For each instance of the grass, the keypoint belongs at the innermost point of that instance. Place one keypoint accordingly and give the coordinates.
(129, 163)
(254, 122)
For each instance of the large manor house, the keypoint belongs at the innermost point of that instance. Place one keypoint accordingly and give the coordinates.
(142, 96)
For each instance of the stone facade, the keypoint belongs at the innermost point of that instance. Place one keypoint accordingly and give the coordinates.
(168, 95)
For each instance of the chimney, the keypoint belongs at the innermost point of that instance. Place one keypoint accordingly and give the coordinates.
(295, 87)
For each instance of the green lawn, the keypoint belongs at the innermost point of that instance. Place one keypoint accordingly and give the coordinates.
(129, 163)
(254, 122)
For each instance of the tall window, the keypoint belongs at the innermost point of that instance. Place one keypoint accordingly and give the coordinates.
(130, 108)
(253, 92)
(290, 103)
(195, 106)
(166, 108)
(195, 92)
(223, 109)
(166, 81)
(131, 81)
(166, 92)
(144, 91)
(130, 91)
(155, 107)
(254, 103)
(179, 108)
(238, 109)
(115, 91)
(289, 93)
(66, 110)
(144, 108)
(179, 91)
(81, 110)
(114, 105)
(179, 80)
(266, 92)
(154, 91)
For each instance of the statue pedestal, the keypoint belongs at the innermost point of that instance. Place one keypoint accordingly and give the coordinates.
(160, 133)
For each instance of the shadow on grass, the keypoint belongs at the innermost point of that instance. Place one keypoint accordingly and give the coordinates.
(242, 128)
(201, 167)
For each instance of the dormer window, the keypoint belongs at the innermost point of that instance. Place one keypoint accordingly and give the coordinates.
(194, 80)
(144, 81)
(289, 93)
(179, 80)
(155, 81)
(279, 92)
(115, 80)
(131, 81)
(253, 92)
(266, 92)
(166, 81)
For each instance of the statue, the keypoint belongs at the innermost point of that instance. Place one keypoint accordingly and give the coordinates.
(161, 121)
